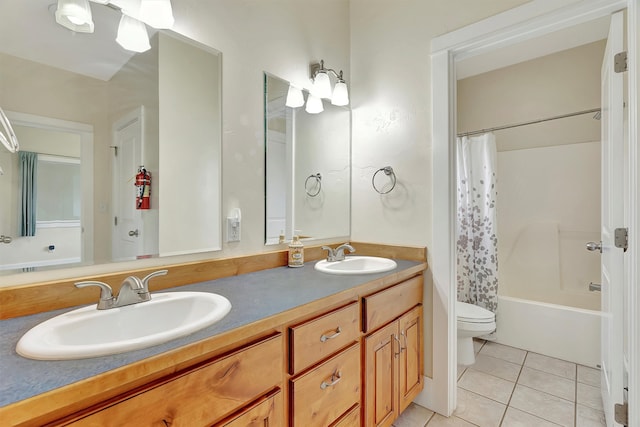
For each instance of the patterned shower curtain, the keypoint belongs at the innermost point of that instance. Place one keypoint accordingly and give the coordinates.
(476, 233)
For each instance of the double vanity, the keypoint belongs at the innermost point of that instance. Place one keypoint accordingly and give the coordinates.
(298, 347)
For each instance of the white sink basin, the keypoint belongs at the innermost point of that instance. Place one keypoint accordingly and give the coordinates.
(87, 332)
(357, 265)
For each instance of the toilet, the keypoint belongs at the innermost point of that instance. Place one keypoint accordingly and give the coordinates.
(473, 321)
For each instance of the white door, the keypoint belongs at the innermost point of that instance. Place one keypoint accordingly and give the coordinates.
(127, 223)
(612, 217)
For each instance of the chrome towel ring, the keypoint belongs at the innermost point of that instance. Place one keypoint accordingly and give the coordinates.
(388, 170)
(313, 192)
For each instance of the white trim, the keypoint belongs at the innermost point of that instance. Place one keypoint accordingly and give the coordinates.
(531, 20)
(35, 264)
(633, 262)
(58, 159)
(58, 224)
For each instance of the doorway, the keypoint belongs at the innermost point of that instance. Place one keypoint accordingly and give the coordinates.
(525, 23)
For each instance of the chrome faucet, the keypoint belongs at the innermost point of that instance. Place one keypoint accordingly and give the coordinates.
(132, 291)
(337, 254)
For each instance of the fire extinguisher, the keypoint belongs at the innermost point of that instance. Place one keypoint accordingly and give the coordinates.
(143, 188)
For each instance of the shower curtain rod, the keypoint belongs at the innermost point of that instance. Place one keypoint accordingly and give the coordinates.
(562, 116)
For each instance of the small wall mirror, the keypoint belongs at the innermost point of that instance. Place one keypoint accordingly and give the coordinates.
(307, 168)
(94, 113)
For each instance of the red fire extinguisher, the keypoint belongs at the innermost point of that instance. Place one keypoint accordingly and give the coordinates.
(143, 188)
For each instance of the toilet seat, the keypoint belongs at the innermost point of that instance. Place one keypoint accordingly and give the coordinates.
(469, 313)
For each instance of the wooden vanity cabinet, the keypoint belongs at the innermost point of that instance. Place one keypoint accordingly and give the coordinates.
(393, 359)
(203, 395)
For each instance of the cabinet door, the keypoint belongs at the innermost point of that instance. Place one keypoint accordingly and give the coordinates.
(411, 361)
(265, 413)
(381, 382)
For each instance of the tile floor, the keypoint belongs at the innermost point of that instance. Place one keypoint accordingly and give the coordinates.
(509, 387)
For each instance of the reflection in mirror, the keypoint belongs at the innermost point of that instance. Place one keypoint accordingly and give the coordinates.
(96, 115)
(307, 168)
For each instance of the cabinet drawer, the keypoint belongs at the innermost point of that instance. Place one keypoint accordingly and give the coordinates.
(266, 412)
(326, 392)
(316, 339)
(350, 419)
(203, 395)
(384, 306)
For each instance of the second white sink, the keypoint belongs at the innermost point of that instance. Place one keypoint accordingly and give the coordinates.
(87, 332)
(356, 265)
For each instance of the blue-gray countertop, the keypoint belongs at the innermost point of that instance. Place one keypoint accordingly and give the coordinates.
(253, 296)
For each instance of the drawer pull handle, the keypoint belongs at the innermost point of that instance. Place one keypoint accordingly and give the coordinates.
(405, 342)
(399, 345)
(325, 337)
(335, 378)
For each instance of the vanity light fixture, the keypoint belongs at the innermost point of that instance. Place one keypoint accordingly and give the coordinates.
(294, 97)
(314, 104)
(132, 33)
(75, 15)
(322, 84)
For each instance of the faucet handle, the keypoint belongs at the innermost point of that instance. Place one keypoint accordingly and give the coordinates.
(106, 293)
(145, 281)
(331, 255)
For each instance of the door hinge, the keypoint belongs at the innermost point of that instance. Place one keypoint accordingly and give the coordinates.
(115, 221)
(620, 62)
(621, 238)
(621, 413)
(115, 150)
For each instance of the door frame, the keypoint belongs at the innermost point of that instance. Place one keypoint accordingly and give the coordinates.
(531, 20)
(135, 115)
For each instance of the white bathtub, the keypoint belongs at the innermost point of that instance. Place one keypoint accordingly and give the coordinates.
(566, 333)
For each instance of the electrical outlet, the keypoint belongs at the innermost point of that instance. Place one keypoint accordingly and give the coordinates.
(233, 230)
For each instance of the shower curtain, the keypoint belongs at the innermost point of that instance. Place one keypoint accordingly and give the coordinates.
(476, 230)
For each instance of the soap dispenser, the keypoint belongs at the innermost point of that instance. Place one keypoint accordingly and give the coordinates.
(296, 253)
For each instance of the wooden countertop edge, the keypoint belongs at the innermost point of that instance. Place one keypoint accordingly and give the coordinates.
(53, 405)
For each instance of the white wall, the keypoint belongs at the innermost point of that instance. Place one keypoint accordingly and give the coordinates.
(391, 98)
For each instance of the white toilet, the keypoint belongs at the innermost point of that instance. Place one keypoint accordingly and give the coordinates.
(473, 321)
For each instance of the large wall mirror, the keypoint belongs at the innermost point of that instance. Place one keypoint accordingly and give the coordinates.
(88, 114)
(307, 168)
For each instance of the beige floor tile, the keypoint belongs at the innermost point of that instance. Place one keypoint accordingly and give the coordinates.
(589, 375)
(549, 383)
(551, 365)
(589, 396)
(588, 417)
(543, 405)
(440, 421)
(497, 367)
(510, 354)
(413, 416)
(517, 418)
(478, 410)
(487, 385)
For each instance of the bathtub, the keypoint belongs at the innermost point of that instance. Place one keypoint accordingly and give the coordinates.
(563, 332)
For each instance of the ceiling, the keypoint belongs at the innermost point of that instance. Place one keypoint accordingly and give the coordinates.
(29, 31)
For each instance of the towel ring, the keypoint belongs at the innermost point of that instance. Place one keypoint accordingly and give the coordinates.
(388, 170)
(318, 181)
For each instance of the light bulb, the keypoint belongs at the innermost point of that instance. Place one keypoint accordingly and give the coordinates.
(340, 94)
(294, 97)
(132, 35)
(322, 85)
(314, 105)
